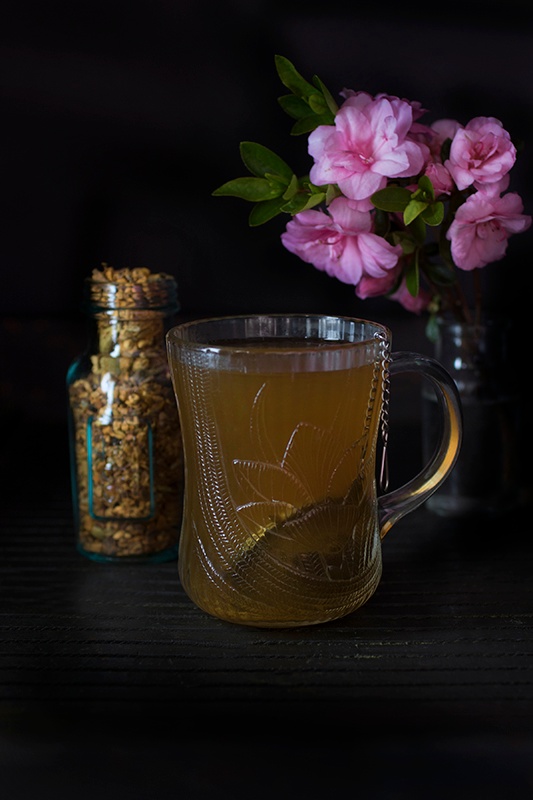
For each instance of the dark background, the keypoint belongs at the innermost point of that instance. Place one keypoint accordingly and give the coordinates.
(120, 117)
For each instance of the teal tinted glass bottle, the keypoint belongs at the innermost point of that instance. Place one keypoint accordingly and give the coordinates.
(125, 442)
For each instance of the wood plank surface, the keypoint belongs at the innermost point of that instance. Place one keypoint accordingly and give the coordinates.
(109, 674)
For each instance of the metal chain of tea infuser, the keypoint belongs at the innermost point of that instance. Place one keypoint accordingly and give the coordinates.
(384, 417)
(381, 370)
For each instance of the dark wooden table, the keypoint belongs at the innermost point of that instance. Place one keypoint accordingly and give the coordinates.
(113, 684)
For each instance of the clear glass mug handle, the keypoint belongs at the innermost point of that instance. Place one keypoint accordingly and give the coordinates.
(396, 504)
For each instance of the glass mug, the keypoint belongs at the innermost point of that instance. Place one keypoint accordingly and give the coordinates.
(280, 416)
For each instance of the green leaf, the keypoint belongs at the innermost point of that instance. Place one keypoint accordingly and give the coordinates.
(309, 123)
(381, 223)
(393, 198)
(317, 103)
(413, 209)
(263, 212)
(332, 192)
(424, 183)
(328, 97)
(296, 204)
(252, 189)
(440, 274)
(294, 106)
(445, 250)
(432, 328)
(292, 188)
(314, 200)
(291, 78)
(417, 229)
(412, 277)
(404, 239)
(433, 214)
(261, 161)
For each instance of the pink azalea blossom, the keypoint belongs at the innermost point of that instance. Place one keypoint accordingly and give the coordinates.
(341, 243)
(440, 178)
(482, 226)
(379, 142)
(497, 188)
(408, 301)
(376, 287)
(368, 143)
(416, 106)
(441, 130)
(481, 153)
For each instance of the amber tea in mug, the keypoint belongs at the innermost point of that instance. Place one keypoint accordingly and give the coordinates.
(280, 417)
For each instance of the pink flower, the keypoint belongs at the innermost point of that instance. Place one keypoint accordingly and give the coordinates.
(441, 130)
(440, 178)
(482, 152)
(376, 287)
(482, 226)
(405, 298)
(497, 188)
(367, 144)
(341, 243)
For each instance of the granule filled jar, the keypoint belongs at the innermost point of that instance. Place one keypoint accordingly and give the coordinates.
(125, 441)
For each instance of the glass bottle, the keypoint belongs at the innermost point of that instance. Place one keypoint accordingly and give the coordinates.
(125, 442)
(488, 477)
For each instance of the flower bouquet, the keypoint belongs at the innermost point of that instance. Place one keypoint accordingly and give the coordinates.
(391, 205)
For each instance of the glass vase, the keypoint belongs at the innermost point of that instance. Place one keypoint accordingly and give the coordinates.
(125, 441)
(487, 478)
